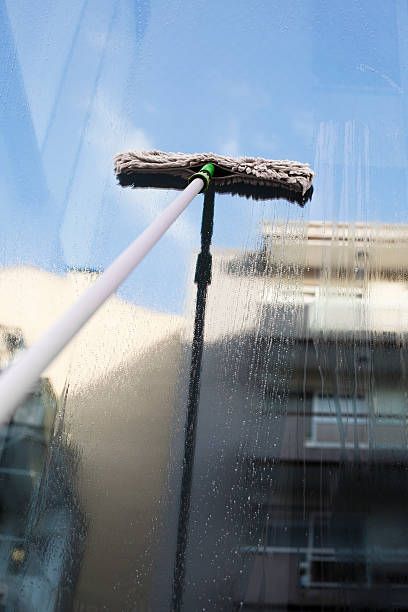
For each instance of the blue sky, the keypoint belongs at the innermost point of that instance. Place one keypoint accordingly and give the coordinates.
(319, 81)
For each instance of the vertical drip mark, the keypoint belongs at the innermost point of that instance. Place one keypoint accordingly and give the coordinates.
(325, 168)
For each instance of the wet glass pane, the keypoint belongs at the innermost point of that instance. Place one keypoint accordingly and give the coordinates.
(292, 493)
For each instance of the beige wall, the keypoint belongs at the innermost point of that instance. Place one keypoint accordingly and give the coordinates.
(121, 375)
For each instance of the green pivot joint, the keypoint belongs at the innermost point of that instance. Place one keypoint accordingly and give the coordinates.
(206, 173)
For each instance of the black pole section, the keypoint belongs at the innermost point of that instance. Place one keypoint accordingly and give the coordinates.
(202, 280)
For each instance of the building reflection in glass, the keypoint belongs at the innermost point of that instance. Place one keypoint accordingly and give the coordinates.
(40, 520)
(300, 482)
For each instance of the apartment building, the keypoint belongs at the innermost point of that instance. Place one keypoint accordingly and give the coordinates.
(301, 495)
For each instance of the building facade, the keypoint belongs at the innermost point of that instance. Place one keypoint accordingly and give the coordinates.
(300, 478)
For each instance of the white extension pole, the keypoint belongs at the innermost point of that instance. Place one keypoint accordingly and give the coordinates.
(18, 379)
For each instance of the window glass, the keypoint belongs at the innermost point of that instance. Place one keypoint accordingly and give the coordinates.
(294, 492)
